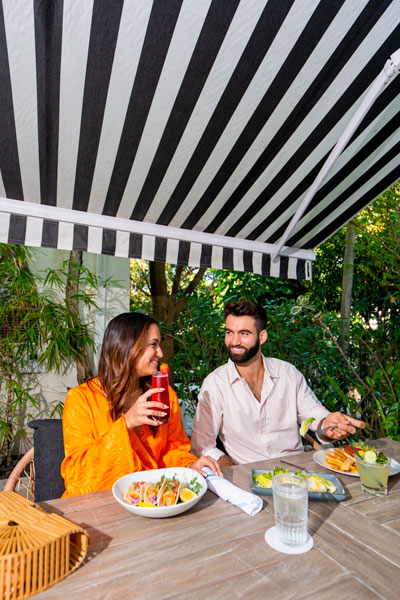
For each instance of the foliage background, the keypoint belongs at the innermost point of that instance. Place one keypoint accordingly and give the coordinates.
(41, 329)
(304, 321)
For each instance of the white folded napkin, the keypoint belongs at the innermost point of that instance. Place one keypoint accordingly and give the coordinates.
(250, 503)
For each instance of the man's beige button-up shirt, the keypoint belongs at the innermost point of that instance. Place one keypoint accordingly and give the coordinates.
(251, 430)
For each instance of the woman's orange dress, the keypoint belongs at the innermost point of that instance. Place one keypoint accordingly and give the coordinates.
(99, 450)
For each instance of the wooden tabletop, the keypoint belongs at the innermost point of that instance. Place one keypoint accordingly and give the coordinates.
(217, 551)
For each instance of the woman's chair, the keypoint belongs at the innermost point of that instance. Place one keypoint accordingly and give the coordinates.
(41, 464)
(22, 477)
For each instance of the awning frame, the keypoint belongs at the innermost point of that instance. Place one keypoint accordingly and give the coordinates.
(391, 68)
(39, 225)
(140, 227)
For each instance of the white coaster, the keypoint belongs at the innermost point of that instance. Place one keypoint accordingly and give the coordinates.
(272, 539)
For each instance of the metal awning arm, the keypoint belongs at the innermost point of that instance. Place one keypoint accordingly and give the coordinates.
(391, 67)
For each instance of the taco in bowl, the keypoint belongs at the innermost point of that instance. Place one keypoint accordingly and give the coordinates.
(169, 493)
(151, 493)
(134, 493)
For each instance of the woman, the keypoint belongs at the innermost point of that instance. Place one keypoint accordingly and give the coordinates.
(108, 423)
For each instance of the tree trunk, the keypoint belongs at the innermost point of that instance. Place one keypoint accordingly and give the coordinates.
(159, 292)
(347, 288)
(84, 370)
(168, 306)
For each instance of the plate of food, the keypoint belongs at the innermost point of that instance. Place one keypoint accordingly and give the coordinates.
(320, 485)
(160, 493)
(342, 459)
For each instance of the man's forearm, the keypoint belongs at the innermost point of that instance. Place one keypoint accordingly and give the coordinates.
(226, 461)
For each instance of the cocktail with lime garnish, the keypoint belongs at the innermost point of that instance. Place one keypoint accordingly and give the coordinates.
(374, 471)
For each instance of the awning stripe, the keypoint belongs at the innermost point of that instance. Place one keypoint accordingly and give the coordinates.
(320, 234)
(187, 29)
(103, 39)
(296, 59)
(393, 154)
(49, 234)
(228, 133)
(77, 19)
(365, 141)
(197, 126)
(359, 84)
(134, 20)
(9, 161)
(48, 23)
(21, 56)
(214, 30)
(95, 240)
(36, 232)
(267, 27)
(33, 232)
(122, 244)
(155, 47)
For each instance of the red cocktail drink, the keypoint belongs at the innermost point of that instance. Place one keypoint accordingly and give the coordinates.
(160, 380)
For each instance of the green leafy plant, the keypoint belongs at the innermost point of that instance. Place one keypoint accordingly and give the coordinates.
(364, 380)
(199, 347)
(374, 399)
(39, 328)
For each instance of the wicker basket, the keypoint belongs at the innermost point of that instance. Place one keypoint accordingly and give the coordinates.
(37, 549)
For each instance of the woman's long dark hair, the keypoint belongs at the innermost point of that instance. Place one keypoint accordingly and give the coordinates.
(124, 339)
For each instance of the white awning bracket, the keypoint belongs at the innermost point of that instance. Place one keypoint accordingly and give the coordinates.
(391, 68)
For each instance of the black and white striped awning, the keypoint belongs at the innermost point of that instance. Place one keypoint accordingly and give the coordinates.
(189, 131)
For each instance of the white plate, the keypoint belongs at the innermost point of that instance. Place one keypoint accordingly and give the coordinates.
(158, 512)
(319, 458)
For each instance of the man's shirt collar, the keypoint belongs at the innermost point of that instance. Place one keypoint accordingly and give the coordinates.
(270, 370)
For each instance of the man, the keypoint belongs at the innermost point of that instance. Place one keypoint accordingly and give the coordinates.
(255, 404)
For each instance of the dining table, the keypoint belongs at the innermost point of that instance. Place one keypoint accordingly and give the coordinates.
(215, 550)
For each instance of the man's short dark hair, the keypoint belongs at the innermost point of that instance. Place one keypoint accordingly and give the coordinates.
(247, 308)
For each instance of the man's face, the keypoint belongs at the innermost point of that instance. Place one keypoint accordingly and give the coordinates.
(242, 340)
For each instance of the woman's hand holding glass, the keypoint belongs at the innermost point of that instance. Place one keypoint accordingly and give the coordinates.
(142, 411)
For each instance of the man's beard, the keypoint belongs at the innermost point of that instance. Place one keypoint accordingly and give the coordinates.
(247, 354)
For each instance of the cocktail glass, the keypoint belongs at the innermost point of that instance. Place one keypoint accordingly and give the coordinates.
(373, 476)
(161, 380)
(290, 494)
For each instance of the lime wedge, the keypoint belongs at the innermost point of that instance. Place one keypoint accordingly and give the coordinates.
(305, 425)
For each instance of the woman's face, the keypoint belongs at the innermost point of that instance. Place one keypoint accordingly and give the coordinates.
(148, 359)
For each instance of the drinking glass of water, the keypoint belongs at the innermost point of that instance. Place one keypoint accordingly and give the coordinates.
(290, 493)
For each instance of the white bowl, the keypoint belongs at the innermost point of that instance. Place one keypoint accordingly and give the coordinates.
(158, 512)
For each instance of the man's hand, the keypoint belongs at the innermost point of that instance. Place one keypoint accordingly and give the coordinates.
(345, 426)
(205, 461)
